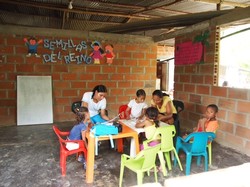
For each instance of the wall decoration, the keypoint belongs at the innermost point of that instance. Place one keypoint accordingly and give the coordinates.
(188, 53)
(192, 52)
(97, 53)
(32, 44)
(64, 45)
(109, 53)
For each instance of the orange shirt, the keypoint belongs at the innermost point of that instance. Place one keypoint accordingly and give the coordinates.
(211, 126)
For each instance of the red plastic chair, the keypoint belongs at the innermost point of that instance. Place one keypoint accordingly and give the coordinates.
(64, 152)
(122, 110)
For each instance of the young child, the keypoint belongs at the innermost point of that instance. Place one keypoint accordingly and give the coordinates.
(79, 130)
(209, 123)
(149, 124)
(137, 106)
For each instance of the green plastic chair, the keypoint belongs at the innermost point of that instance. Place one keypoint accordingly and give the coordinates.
(167, 145)
(143, 162)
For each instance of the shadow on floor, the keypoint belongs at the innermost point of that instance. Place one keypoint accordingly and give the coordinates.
(29, 156)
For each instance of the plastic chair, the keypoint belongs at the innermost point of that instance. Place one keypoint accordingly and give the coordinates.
(166, 133)
(64, 152)
(76, 105)
(143, 162)
(198, 147)
(179, 105)
(122, 110)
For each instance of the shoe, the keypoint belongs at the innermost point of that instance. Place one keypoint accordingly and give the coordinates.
(28, 55)
(85, 165)
(81, 159)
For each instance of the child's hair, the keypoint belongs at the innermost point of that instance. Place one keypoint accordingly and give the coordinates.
(99, 88)
(80, 114)
(152, 113)
(214, 107)
(140, 92)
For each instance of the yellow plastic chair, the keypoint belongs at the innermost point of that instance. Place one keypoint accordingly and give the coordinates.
(143, 162)
(209, 148)
(166, 134)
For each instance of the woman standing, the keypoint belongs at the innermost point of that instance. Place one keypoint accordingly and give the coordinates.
(165, 107)
(96, 102)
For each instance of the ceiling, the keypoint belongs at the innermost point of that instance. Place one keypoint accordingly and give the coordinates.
(136, 17)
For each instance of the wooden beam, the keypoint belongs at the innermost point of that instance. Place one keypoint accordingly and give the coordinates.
(229, 3)
(234, 15)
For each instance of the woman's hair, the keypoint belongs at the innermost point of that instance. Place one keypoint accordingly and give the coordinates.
(99, 88)
(214, 107)
(80, 114)
(140, 92)
(158, 93)
(152, 113)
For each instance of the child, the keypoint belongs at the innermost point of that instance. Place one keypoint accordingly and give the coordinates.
(149, 124)
(137, 106)
(209, 123)
(79, 130)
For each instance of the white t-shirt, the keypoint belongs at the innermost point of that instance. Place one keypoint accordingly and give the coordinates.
(92, 106)
(136, 108)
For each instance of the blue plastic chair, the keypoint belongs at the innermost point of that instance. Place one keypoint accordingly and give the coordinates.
(195, 144)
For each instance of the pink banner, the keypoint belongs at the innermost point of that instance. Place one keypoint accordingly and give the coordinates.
(188, 53)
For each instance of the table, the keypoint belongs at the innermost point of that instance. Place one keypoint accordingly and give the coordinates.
(131, 124)
(126, 133)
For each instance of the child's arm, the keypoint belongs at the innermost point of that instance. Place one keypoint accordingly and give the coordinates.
(127, 113)
(84, 138)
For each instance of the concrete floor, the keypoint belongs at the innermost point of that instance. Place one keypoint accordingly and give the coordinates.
(29, 156)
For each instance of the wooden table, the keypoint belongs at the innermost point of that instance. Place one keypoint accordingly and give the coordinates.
(127, 132)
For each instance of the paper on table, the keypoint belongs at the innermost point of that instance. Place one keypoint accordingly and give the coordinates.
(110, 122)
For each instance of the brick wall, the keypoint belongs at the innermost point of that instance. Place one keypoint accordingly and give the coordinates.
(194, 86)
(134, 67)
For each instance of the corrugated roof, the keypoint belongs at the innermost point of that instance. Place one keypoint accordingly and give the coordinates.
(101, 15)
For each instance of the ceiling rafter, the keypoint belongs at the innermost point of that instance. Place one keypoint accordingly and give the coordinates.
(229, 3)
(78, 10)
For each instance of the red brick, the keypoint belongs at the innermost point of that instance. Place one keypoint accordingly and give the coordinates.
(236, 118)
(138, 55)
(7, 49)
(93, 69)
(125, 55)
(7, 67)
(67, 93)
(185, 78)
(25, 68)
(102, 76)
(197, 79)
(3, 94)
(236, 93)
(61, 84)
(69, 76)
(151, 56)
(189, 88)
(138, 70)
(219, 91)
(21, 50)
(15, 59)
(243, 132)
(42, 68)
(62, 101)
(2, 76)
(8, 102)
(7, 85)
(12, 94)
(125, 85)
(143, 63)
(123, 70)
(131, 48)
(203, 89)
(243, 106)
(226, 127)
(15, 41)
(195, 98)
(138, 84)
(86, 76)
(227, 104)
(233, 140)
(34, 60)
(79, 84)
(59, 68)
